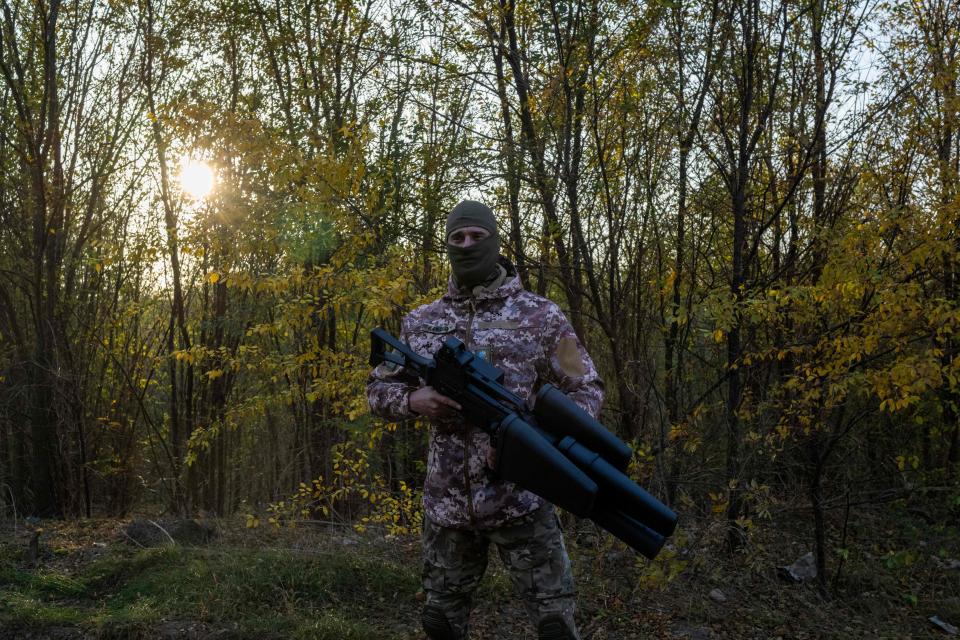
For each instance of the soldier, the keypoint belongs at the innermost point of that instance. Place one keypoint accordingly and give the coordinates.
(465, 506)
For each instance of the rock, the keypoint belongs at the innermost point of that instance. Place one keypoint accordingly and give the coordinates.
(151, 533)
(944, 626)
(805, 568)
(191, 532)
(718, 596)
(147, 533)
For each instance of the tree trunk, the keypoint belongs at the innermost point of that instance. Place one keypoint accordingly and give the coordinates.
(180, 407)
(534, 148)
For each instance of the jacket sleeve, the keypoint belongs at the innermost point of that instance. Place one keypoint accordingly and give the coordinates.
(389, 387)
(569, 366)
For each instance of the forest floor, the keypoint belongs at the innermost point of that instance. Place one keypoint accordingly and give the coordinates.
(330, 582)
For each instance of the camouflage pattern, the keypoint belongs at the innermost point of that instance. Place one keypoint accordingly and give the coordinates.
(525, 335)
(531, 548)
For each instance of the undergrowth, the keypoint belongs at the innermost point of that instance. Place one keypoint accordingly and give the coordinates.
(251, 592)
(893, 573)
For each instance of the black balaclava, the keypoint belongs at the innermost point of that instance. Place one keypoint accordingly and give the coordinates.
(473, 265)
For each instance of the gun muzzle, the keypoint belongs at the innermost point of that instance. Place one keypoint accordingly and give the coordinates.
(615, 487)
(636, 534)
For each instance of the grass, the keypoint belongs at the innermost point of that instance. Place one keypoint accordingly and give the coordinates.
(253, 592)
(331, 583)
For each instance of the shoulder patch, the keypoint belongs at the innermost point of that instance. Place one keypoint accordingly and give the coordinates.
(569, 357)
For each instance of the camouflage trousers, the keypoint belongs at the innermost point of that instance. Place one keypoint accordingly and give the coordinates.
(531, 548)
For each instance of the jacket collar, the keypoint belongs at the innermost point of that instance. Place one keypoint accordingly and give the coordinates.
(510, 285)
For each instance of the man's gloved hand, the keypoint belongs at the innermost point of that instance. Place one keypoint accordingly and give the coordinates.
(429, 402)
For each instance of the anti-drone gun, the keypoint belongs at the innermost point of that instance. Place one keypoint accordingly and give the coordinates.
(557, 450)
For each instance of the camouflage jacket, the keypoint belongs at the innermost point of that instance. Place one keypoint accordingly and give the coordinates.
(526, 336)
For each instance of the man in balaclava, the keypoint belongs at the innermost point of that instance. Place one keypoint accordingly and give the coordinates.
(473, 244)
(466, 507)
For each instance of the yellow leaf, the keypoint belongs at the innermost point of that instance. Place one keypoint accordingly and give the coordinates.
(214, 277)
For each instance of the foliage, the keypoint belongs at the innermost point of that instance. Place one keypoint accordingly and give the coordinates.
(756, 238)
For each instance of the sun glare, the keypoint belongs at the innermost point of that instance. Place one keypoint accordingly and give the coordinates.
(196, 178)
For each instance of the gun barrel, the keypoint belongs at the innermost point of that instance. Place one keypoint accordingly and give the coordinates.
(639, 536)
(561, 416)
(617, 488)
(527, 458)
